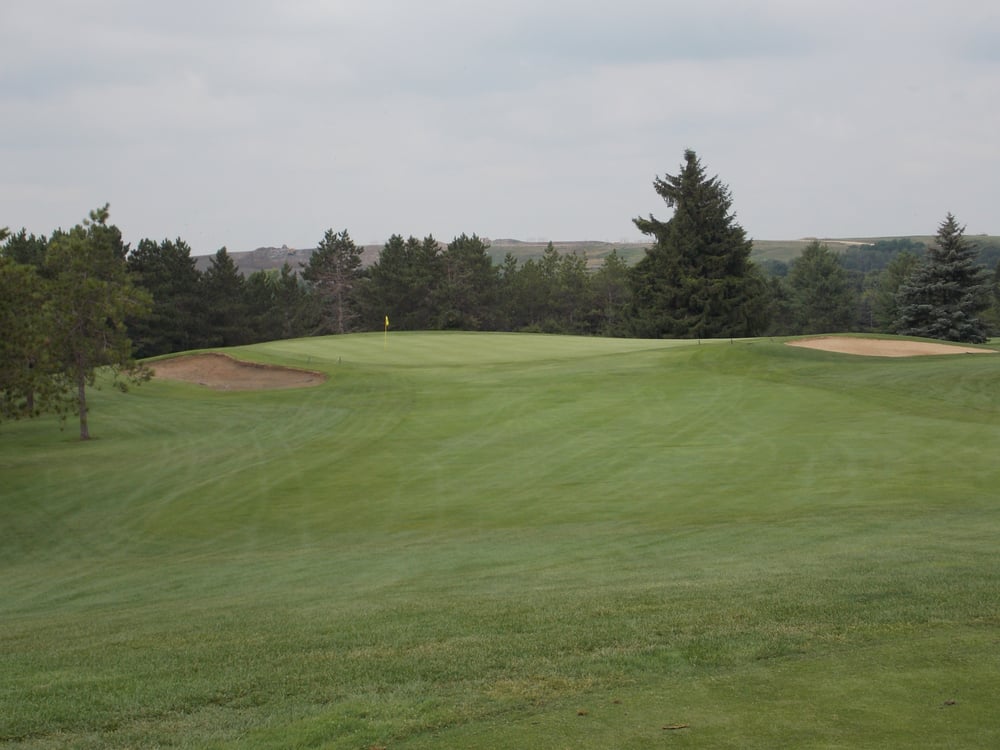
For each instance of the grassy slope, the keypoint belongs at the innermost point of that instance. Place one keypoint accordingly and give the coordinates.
(470, 540)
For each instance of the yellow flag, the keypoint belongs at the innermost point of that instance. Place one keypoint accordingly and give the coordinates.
(386, 321)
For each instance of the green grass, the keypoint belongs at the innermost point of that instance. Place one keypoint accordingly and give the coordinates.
(512, 541)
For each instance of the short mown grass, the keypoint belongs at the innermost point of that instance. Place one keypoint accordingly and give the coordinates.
(503, 541)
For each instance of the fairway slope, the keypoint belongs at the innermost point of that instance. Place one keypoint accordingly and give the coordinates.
(509, 541)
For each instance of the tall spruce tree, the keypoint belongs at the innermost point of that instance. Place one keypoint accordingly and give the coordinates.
(944, 295)
(697, 280)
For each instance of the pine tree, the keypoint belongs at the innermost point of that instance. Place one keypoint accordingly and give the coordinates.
(466, 296)
(334, 270)
(944, 295)
(167, 271)
(697, 279)
(223, 288)
(91, 297)
(30, 378)
(611, 295)
(401, 283)
(822, 300)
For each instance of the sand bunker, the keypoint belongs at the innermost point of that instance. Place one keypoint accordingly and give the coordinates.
(224, 373)
(884, 347)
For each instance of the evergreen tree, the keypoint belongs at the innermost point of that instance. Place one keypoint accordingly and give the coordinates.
(291, 304)
(822, 298)
(697, 279)
(30, 380)
(946, 293)
(224, 320)
(466, 296)
(611, 295)
(24, 248)
(276, 305)
(885, 287)
(91, 297)
(334, 271)
(401, 283)
(167, 271)
(572, 294)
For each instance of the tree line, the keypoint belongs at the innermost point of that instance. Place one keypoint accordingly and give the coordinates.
(81, 300)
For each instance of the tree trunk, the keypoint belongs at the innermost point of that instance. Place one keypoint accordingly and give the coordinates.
(81, 392)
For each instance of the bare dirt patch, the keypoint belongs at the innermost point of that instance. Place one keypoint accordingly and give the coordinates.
(222, 372)
(884, 347)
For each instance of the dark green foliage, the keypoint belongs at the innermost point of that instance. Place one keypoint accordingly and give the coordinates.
(333, 273)
(279, 305)
(466, 295)
(29, 377)
(401, 284)
(821, 296)
(92, 295)
(946, 293)
(878, 255)
(611, 296)
(781, 312)
(572, 293)
(525, 291)
(773, 268)
(884, 287)
(697, 280)
(549, 295)
(24, 248)
(167, 271)
(224, 320)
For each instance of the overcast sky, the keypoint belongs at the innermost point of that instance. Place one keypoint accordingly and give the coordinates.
(264, 122)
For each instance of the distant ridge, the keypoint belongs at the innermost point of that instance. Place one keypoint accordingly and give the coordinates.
(272, 258)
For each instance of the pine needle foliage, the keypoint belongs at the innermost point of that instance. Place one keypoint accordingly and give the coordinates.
(944, 295)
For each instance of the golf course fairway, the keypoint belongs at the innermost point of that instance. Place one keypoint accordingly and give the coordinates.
(459, 540)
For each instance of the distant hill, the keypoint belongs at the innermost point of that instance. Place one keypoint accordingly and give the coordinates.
(272, 258)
